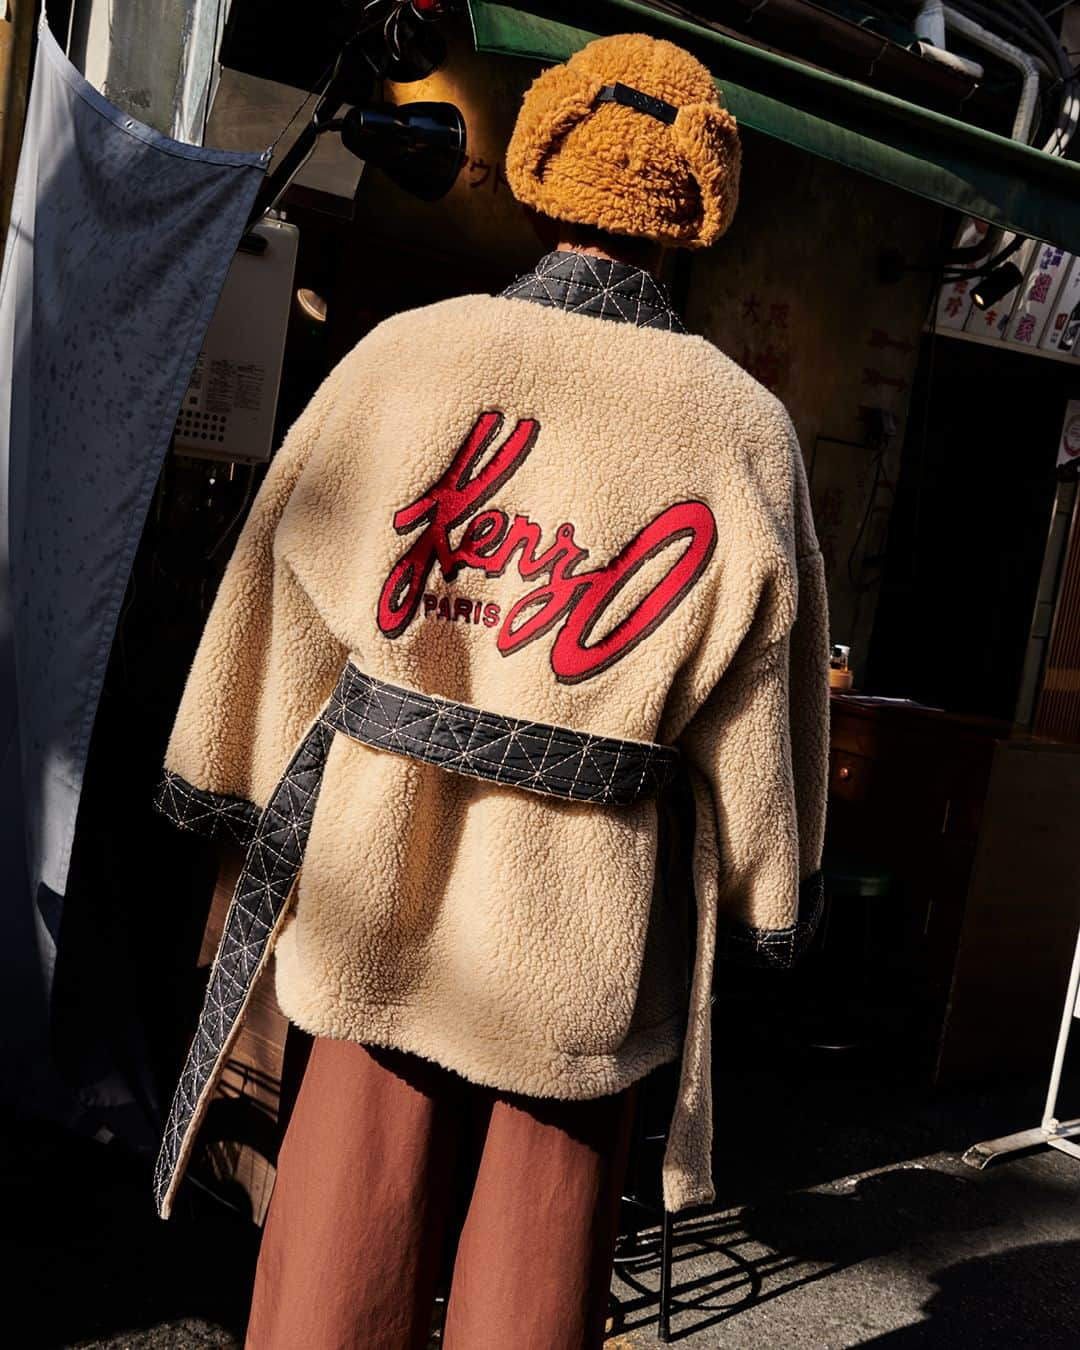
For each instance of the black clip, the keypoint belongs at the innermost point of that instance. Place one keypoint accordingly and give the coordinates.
(640, 102)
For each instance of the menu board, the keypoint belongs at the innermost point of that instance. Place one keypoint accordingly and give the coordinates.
(1038, 295)
(1061, 330)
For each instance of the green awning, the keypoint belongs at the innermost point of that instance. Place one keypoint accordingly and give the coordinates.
(925, 152)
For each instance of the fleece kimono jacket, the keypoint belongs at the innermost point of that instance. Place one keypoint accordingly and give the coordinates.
(555, 505)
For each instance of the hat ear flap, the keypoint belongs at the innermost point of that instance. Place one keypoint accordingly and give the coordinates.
(707, 136)
(557, 101)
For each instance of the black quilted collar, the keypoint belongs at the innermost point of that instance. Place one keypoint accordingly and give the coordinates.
(598, 286)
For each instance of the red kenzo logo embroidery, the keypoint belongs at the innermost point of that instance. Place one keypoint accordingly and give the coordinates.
(575, 599)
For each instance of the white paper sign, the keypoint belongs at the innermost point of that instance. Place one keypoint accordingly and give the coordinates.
(1038, 295)
(1061, 329)
(1069, 446)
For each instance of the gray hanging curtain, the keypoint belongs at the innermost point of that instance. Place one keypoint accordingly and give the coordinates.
(119, 243)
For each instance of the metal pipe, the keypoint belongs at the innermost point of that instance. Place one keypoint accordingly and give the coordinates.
(952, 60)
(1027, 25)
(1050, 1120)
(1015, 56)
(808, 29)
(930, 23)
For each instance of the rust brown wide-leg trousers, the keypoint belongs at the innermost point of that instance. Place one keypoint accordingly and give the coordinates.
(382, 1154)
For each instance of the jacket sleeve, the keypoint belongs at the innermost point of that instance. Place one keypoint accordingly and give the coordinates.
(758, 750)
(757, 753)
(265, 665)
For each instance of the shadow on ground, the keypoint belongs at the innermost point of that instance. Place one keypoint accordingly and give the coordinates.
(1021, 1298)
(848, 1221)
(846, 1218)
(926, 1254)
(87, 1260)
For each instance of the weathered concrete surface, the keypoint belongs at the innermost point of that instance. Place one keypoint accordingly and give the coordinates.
(923, 1253)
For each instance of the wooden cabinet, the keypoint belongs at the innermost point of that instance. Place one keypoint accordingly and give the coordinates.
(974, 827)
(1020, 918)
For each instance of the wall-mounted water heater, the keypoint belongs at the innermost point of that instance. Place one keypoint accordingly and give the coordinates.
(228, 409)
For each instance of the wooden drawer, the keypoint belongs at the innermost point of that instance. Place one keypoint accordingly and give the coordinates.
(850, 776)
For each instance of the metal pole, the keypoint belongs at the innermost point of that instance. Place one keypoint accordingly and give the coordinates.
(1050, 1121)
(353, 79)
(279, 178)
(667, 1256)
(1053, 1132)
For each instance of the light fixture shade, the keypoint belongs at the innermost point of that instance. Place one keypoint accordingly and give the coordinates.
(420, 146)
(312, 304)
(996, 285)
(417, 51)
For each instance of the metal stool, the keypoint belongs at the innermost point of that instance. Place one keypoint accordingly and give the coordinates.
(842, 957)
(655, 1100)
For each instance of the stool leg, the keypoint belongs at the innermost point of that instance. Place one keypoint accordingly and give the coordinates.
(632, 1225)
(667, 1233)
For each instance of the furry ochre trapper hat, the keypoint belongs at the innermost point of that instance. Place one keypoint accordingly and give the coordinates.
(630, 136)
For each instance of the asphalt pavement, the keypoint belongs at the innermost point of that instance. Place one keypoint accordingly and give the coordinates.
(846, 1220)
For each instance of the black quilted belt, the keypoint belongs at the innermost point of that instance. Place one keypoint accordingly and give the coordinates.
(534, 755)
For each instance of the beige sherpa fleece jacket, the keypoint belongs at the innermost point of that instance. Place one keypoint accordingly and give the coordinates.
(558, 518)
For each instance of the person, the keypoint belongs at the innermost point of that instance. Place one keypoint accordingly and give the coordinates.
(525, 564)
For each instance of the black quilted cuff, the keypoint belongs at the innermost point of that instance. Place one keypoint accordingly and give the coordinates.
(775, 948)
(214, 815)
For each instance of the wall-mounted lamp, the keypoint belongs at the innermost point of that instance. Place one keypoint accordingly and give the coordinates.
(312, 304)
(421, 146)
(996, 285)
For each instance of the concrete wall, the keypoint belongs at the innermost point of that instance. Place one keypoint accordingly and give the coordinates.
(155, 61)
(792, 293)
(16, 34)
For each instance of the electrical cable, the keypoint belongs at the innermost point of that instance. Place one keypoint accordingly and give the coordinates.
(1035, 17)
(1030, 27)
(1021, 19)
(332, 94)
(868, 512)
(997, 24)
(1036, 24)
(1037, 20)
(1024, 23)
(332, 66)
(919, 484)
(237, 516)
(320, 84)
(986, 12)
(970, 273)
